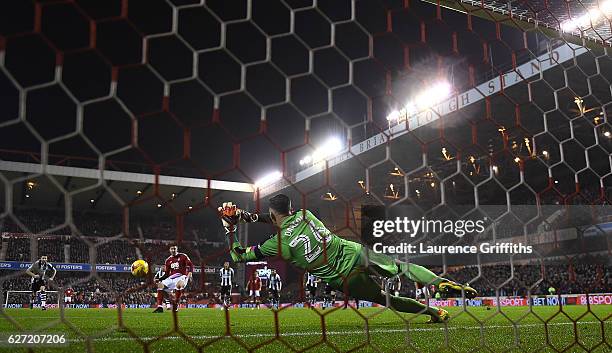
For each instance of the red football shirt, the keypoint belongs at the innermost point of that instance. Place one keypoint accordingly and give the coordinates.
(178, 265)
(255, 284)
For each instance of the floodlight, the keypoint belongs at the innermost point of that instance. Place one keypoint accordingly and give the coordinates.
(269, 179)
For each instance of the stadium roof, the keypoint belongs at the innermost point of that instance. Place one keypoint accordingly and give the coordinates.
(522, 73)
(108, 190)
(588, 19)
(110, 175)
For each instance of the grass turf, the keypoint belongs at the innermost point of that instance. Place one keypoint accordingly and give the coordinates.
(475, 329)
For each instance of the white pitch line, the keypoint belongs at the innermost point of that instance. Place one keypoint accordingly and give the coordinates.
(353, 332)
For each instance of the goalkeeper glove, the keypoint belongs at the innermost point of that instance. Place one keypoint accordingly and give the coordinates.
(229, 214)
(236, 215)
(247, 217)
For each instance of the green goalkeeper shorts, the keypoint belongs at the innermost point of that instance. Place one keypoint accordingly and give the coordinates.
(378, 264)
(374, 264)
(361, 285)
(367, 262)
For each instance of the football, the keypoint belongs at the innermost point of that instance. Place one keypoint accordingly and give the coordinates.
(140, 268)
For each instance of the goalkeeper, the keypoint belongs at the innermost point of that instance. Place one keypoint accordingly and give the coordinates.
(347, 266)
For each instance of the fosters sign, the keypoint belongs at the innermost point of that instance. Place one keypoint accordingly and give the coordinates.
(16, 265)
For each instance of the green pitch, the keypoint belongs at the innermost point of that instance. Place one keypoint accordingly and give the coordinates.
(300, 329)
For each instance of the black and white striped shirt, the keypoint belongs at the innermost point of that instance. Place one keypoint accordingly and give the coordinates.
(274, 282)
(393, 284)
(311, 280)
(227, 276)
(159, 274)
(40, 269)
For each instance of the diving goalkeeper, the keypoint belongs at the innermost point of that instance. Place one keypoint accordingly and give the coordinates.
(347, 266)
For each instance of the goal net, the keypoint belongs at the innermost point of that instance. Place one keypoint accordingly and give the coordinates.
(23, 299)
(469, 137)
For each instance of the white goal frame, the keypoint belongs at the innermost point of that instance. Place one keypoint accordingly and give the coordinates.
(8, 294)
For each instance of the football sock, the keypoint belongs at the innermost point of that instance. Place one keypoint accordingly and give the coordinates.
(361, 286)
(409, 305)
(43, 298)
(160, 297)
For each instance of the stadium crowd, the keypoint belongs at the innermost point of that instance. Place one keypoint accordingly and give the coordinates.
(61, 244)
(95, 245)
(584, 274)
(100, 224)
(592, 275)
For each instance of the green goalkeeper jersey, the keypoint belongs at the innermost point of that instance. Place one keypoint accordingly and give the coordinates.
(308, 244)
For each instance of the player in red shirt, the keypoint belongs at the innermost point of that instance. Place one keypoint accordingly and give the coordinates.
(254, 286)
(68, 293)
(177, 273)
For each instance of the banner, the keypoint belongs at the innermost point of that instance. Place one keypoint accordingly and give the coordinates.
(548, 300)
(541, 300)
(16, 265)
(595, 299)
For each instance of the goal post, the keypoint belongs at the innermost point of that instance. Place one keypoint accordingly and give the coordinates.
(24, 296)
